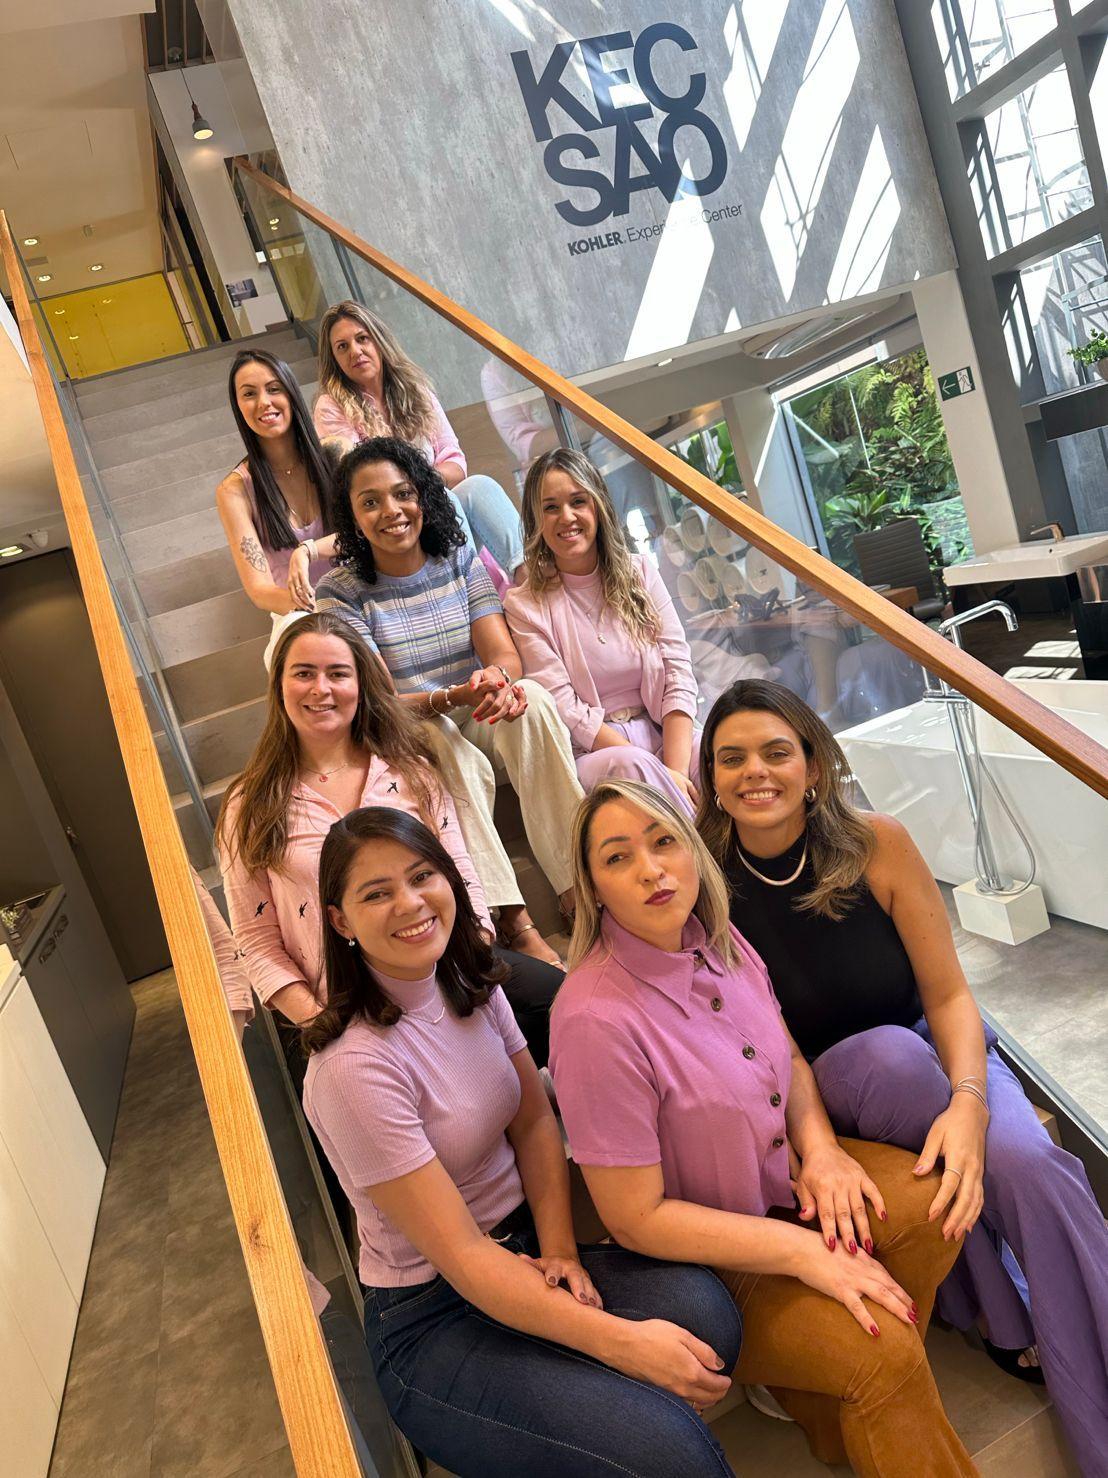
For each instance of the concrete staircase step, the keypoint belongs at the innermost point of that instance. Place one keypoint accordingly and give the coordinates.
(219, 743)
(154, 505)
(184, 537)
(208, 627)
(181, 371)
(214, 457)
(183, 582)
(218, 680)
(146, 414)
(181, 431)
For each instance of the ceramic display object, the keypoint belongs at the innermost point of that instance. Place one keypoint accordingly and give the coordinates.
(707, 578)
(693, 527)
(762, 574)
(688, 593)
(722, 539)
(674, 546)
(732, 582)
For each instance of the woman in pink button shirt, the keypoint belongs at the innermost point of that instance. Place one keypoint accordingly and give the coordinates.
(336, 738)
(594, 624)
(682, 1092)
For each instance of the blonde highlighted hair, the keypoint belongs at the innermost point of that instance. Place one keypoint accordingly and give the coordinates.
(408, 411)
(623, 589)
(711, 906)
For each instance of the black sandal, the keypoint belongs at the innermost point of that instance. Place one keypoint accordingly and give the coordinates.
(1009, 1361)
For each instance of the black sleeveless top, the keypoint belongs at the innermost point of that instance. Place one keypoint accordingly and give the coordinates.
(832, 979)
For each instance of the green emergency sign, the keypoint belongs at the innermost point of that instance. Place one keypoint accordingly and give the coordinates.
(958, 382)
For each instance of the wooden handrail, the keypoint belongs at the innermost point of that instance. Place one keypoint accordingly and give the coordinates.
(1060, 741)
(318, 1435)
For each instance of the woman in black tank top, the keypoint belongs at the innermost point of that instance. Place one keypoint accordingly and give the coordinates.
(855, 934)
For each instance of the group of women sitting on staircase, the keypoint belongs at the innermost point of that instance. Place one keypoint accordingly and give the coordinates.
(765, 1055)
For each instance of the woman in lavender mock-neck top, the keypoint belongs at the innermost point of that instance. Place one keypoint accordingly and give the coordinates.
(500, 1346)
(275, 505)
(595, 626)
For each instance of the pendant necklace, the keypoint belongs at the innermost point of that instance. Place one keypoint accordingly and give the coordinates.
(776, 882)
(324, 775)
(592, 617)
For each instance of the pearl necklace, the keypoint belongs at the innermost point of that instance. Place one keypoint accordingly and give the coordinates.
(776, 882)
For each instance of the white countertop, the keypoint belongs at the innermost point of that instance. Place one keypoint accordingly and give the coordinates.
(1040, 559)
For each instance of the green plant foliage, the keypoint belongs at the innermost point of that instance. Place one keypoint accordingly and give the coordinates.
(1092, 352)
(876, 450)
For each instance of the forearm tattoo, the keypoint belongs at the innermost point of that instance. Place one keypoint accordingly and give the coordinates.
(251, 552)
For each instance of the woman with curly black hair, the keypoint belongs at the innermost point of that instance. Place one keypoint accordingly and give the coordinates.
(412, 587)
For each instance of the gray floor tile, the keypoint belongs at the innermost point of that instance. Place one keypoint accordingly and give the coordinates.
(205, 1277)
(107, 1422)
(215, 1410)
(1033, 1450)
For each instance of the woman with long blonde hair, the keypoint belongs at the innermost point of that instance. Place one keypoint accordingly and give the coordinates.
(335, 738)
(369, 387)
(684, 1099)
(595, 626)
(845, 912)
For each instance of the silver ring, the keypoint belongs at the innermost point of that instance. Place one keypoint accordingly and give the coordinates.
(951, 1170)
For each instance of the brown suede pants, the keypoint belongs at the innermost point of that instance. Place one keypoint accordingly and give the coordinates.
(870, 1401)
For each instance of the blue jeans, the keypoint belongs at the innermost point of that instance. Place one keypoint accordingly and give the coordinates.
(490, 520)
(488, 1402)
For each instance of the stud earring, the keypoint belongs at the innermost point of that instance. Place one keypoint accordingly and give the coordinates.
(351, 943)
(810, 794)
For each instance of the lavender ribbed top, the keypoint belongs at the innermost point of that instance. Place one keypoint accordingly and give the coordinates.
(386, 1100)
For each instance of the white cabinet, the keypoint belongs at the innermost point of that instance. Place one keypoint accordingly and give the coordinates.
(51, 1177)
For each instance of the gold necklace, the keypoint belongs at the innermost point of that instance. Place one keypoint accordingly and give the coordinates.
(592, 617)
(775, 882)
(324, 775)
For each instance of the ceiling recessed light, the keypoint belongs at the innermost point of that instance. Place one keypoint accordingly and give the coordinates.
(275, 220)
(74, 336)
(11, 550)
(106, 301)
(96, 267)
(663, 362)
(59, 312)
(30, 241)
(45, 277)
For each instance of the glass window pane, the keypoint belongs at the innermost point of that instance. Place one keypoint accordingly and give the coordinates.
(1065, 301)
(977, 37)
(1027, 168)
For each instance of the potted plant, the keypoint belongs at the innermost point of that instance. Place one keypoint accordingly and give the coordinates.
(1094, 353)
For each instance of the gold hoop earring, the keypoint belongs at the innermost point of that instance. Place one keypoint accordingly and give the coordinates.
(719, 803)
(810, 795)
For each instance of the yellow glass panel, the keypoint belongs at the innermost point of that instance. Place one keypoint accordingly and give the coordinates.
(115, 324)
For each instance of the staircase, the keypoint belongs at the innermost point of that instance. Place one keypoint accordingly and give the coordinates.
(162, 437)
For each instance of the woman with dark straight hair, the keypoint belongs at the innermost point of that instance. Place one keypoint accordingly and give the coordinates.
(500, 1346)
(335, 738)
(848, 918)
(275, 505)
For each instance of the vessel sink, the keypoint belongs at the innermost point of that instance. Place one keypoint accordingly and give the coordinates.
(1042, 559)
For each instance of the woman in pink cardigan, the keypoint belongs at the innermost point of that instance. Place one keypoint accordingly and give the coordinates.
(336, 738)
(594, 625)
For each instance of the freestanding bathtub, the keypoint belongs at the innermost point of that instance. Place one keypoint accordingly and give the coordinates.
(906, 764)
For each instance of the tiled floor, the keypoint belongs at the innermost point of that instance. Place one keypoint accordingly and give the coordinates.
(169, 1375)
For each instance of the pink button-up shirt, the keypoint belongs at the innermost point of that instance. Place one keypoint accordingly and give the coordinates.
(677, 1060)
(275, 914)
(549, 632)
(443, 445)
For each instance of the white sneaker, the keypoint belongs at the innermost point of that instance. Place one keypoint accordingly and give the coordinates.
(762, 1401)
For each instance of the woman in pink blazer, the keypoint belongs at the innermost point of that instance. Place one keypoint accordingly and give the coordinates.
(596, 627)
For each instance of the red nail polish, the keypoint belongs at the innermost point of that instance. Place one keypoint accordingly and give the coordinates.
(853, 1247)
(915, 1307)
(873, 1329)
(830, 1244)
(869, 1247)
(913, 1316)
(884, 1216)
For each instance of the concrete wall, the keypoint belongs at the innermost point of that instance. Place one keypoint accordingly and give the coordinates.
(409, 123)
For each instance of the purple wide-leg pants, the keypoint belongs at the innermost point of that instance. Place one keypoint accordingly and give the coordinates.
(888, 1085)
(639, 759)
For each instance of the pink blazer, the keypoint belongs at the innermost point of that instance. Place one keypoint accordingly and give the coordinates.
(444, 446)
(545, 632)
